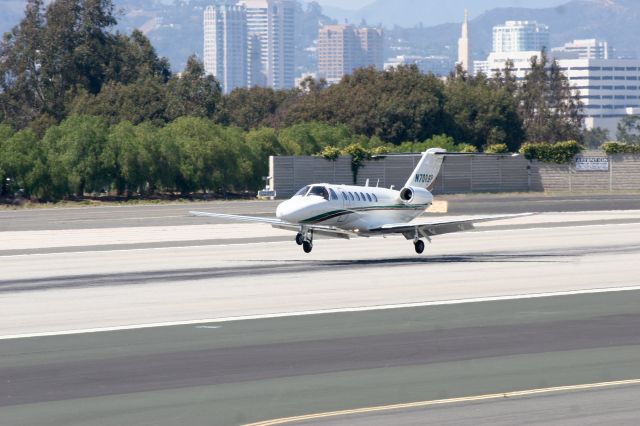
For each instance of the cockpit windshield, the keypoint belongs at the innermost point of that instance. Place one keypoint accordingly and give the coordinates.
(302, 192)
(319, 191)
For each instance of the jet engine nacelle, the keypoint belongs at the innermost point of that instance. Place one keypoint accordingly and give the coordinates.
(413, 195)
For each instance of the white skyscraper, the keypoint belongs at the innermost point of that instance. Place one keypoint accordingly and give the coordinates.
(225, 45)
(270, 26)
(464, 47)
(584, 49)
(520, 36)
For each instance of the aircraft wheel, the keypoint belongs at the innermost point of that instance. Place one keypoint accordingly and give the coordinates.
(299, 239)
(307, 246)
(419, 245)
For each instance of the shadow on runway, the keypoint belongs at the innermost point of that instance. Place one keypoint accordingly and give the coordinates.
(264, 267)
(260, 267)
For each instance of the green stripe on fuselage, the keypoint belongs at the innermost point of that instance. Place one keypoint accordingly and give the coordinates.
(335, 213)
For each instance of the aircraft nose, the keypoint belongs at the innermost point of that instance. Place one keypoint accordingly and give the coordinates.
(282, 210)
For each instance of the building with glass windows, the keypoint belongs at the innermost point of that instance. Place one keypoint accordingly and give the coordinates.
(271, 47)
(584, 49)
(609, 89)
(343, 48)
(225, 45)
(520, 36)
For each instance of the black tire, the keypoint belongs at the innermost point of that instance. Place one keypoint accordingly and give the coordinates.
(307, 247)
(419, 245)
(299, 239)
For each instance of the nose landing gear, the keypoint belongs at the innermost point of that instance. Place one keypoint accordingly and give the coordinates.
(304, 238)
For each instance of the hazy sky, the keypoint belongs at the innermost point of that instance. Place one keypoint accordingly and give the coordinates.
(345, 4)
(473, 4)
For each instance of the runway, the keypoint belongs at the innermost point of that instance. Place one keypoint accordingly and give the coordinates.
(214, 370)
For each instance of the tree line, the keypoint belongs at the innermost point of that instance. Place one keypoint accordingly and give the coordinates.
(84, 109)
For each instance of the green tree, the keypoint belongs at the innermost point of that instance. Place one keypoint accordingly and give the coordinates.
(143, 100)
(549, 109)
(483, 112)
(193, 93)
(261, 143)
(75, 150)
(397, 105)
(594, 138)
(128, 155)
(6, 132)
(310, 138)
(24, 162)
(133, 58)
(22, 94)
(252, 108)
(629, 129)
(197, 154)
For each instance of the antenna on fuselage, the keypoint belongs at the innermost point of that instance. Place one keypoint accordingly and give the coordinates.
(366, 184)
(378, 183)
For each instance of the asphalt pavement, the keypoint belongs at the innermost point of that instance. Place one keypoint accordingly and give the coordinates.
(176, 214)
(254, 370)
(146, 316)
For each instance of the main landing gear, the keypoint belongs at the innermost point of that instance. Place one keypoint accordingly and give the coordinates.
(419, 246)
(305, 240)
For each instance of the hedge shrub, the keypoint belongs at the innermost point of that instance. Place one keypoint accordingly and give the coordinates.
(611, 148)
(559, 153)
(496, 148)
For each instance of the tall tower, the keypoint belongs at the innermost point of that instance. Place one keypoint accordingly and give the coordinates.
(270, 26)
(520, 36)
(343, 48)
(225, 45)
(464, 47)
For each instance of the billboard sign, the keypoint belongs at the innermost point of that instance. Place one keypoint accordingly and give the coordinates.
(592, 164)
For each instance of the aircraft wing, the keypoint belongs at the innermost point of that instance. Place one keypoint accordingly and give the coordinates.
(255, 219)
(327, 231)
(438, 227)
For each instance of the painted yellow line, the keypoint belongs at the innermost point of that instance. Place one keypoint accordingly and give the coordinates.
(444, 401)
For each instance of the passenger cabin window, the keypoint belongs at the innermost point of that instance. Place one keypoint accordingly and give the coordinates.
(344, 196)
(319, 191)
(334, 196)
(302, 192)
(351, 196)
(363, 197)
(374, 197)
(357, 196)
(369, 197)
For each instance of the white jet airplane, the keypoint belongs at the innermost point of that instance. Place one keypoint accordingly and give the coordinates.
(345, 211)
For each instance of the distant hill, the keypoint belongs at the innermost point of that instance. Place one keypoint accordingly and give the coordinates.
(616, 21)
(408, 13)
(175, 27)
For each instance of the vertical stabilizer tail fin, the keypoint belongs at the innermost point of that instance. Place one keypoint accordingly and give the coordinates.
(427, 169)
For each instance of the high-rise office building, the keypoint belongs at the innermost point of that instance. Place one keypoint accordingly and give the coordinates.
(371, 47)
(271, 53)
(520, 36)
(225, 45)
(343, 48)
(584, 49)
(464, 46)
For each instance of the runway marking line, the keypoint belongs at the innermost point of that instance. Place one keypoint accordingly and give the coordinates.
(479, 230)
(322, 312)
(421, 404)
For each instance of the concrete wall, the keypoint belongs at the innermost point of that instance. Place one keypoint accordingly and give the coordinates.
(623, 175)
(461, 174)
